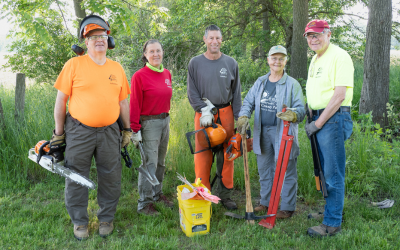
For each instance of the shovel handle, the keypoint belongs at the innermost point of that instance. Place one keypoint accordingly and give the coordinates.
(249, 205)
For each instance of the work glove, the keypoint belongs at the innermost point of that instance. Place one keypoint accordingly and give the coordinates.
(243, 124)
(288, 115)
(126, 135)
(136, 138)
(311, 128)
(207, 114)
(57, 142)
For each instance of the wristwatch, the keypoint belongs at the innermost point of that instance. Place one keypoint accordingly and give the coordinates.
(128, 129)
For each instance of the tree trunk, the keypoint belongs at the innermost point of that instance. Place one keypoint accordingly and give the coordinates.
(79, 12)
(298, 64)
(265, 43)
(375, 89)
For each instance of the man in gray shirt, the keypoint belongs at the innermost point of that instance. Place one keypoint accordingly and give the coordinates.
(214, 76)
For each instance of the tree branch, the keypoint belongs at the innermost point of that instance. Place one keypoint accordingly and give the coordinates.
(62, 14)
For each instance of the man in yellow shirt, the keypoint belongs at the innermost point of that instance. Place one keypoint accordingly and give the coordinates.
(97, 90)
(329, 94)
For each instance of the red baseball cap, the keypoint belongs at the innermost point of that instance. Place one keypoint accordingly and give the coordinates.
(316, 26)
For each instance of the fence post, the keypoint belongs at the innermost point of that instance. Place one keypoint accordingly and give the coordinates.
(20, 96)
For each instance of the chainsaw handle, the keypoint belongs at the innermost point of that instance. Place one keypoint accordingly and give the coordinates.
(229, 149)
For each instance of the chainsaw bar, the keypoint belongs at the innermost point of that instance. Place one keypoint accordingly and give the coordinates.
(47, 162)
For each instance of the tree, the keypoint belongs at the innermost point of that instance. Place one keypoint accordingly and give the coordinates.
(298, 60)
(375, 89)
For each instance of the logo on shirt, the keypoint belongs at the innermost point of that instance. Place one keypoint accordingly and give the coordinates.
(223, 72)
(168, 82)
(319, 72)
(112, 79)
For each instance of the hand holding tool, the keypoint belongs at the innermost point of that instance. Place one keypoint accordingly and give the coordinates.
(136, 138)
(311, 128)
(243, 124)
(207, 114)
(126, 136)
(288, 115)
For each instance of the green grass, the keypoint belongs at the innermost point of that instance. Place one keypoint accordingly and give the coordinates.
(33, 214)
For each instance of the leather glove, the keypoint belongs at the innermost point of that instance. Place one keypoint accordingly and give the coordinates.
(136, 138)
(288, 115)
(207, 116)
(311, 128)
(57, 142)
(126, 135)
(243, 124)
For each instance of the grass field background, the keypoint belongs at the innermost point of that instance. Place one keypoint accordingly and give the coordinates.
(33, 214)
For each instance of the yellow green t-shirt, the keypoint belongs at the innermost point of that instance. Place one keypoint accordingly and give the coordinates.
(333, 68)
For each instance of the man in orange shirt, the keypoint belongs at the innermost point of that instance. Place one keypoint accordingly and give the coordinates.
(97, 89)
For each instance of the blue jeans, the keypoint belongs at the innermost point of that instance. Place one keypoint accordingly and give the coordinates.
(330, 140)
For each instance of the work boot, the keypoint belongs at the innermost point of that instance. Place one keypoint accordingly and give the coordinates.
(81, 232)
(149, 209)
(165, 200)
(323, 231)
(261, 208)
(283, 214)
(105, 229)
(229, 204)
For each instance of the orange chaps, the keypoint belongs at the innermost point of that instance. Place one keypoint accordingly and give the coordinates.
(203, 160)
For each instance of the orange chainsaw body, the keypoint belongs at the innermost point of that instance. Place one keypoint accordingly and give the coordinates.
(234, 149)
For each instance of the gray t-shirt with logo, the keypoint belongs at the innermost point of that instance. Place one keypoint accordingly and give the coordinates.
(268, 105)
(217, 80)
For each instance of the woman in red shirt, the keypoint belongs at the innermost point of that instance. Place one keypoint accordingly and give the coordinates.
(149, 106)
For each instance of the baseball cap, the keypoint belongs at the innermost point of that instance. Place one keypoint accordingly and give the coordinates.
(277, 49)
(316, 26)
(93, 26)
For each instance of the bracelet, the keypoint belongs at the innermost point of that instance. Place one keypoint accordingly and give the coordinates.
(127, 129)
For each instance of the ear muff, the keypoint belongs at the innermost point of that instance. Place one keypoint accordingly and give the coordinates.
(111, 42)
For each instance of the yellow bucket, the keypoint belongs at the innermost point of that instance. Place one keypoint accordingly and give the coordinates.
(194, 215)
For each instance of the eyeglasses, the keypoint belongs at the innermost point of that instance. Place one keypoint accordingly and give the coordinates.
(275, 59)
(152, 52)
(95, 37)
(315, 35)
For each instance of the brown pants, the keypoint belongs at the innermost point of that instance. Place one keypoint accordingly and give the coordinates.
(203, 160)
(84, 142)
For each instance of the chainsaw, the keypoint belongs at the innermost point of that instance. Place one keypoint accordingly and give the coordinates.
(235, 148)
(54, 162)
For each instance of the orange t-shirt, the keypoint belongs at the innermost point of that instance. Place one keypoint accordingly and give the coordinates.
(94, 90)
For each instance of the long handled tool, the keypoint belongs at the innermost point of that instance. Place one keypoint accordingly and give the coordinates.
(249, 216)
(280, 171)
(319, 175)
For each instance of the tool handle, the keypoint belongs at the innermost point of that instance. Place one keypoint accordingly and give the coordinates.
(249, 205)
(126, 157)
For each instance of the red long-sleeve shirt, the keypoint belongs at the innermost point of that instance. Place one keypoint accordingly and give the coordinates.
(151, 94)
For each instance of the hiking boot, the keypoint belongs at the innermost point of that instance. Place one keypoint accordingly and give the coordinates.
(105, 229)
(81, 232)
(261, 208)
(283, 214)
(316, 216)
(165, 200)
(229, 204)
(149, 209)
(323, 231)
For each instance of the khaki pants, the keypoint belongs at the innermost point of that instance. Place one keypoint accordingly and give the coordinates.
(84, 142)
(155, 134)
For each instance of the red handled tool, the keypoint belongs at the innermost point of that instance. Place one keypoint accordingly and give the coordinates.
(280, 171)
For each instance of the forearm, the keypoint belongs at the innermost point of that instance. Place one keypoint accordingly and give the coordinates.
(124, 107)
(333, 105)
(60, 112)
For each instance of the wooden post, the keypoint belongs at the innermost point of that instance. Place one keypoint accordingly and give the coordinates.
(249, 204)
(20, 96)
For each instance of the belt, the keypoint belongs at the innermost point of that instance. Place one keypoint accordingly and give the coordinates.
(153, 117)
(340, 110)
(221, 106)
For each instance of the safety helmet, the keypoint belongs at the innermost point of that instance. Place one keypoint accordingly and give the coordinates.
(93, 22)
(216, 136)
